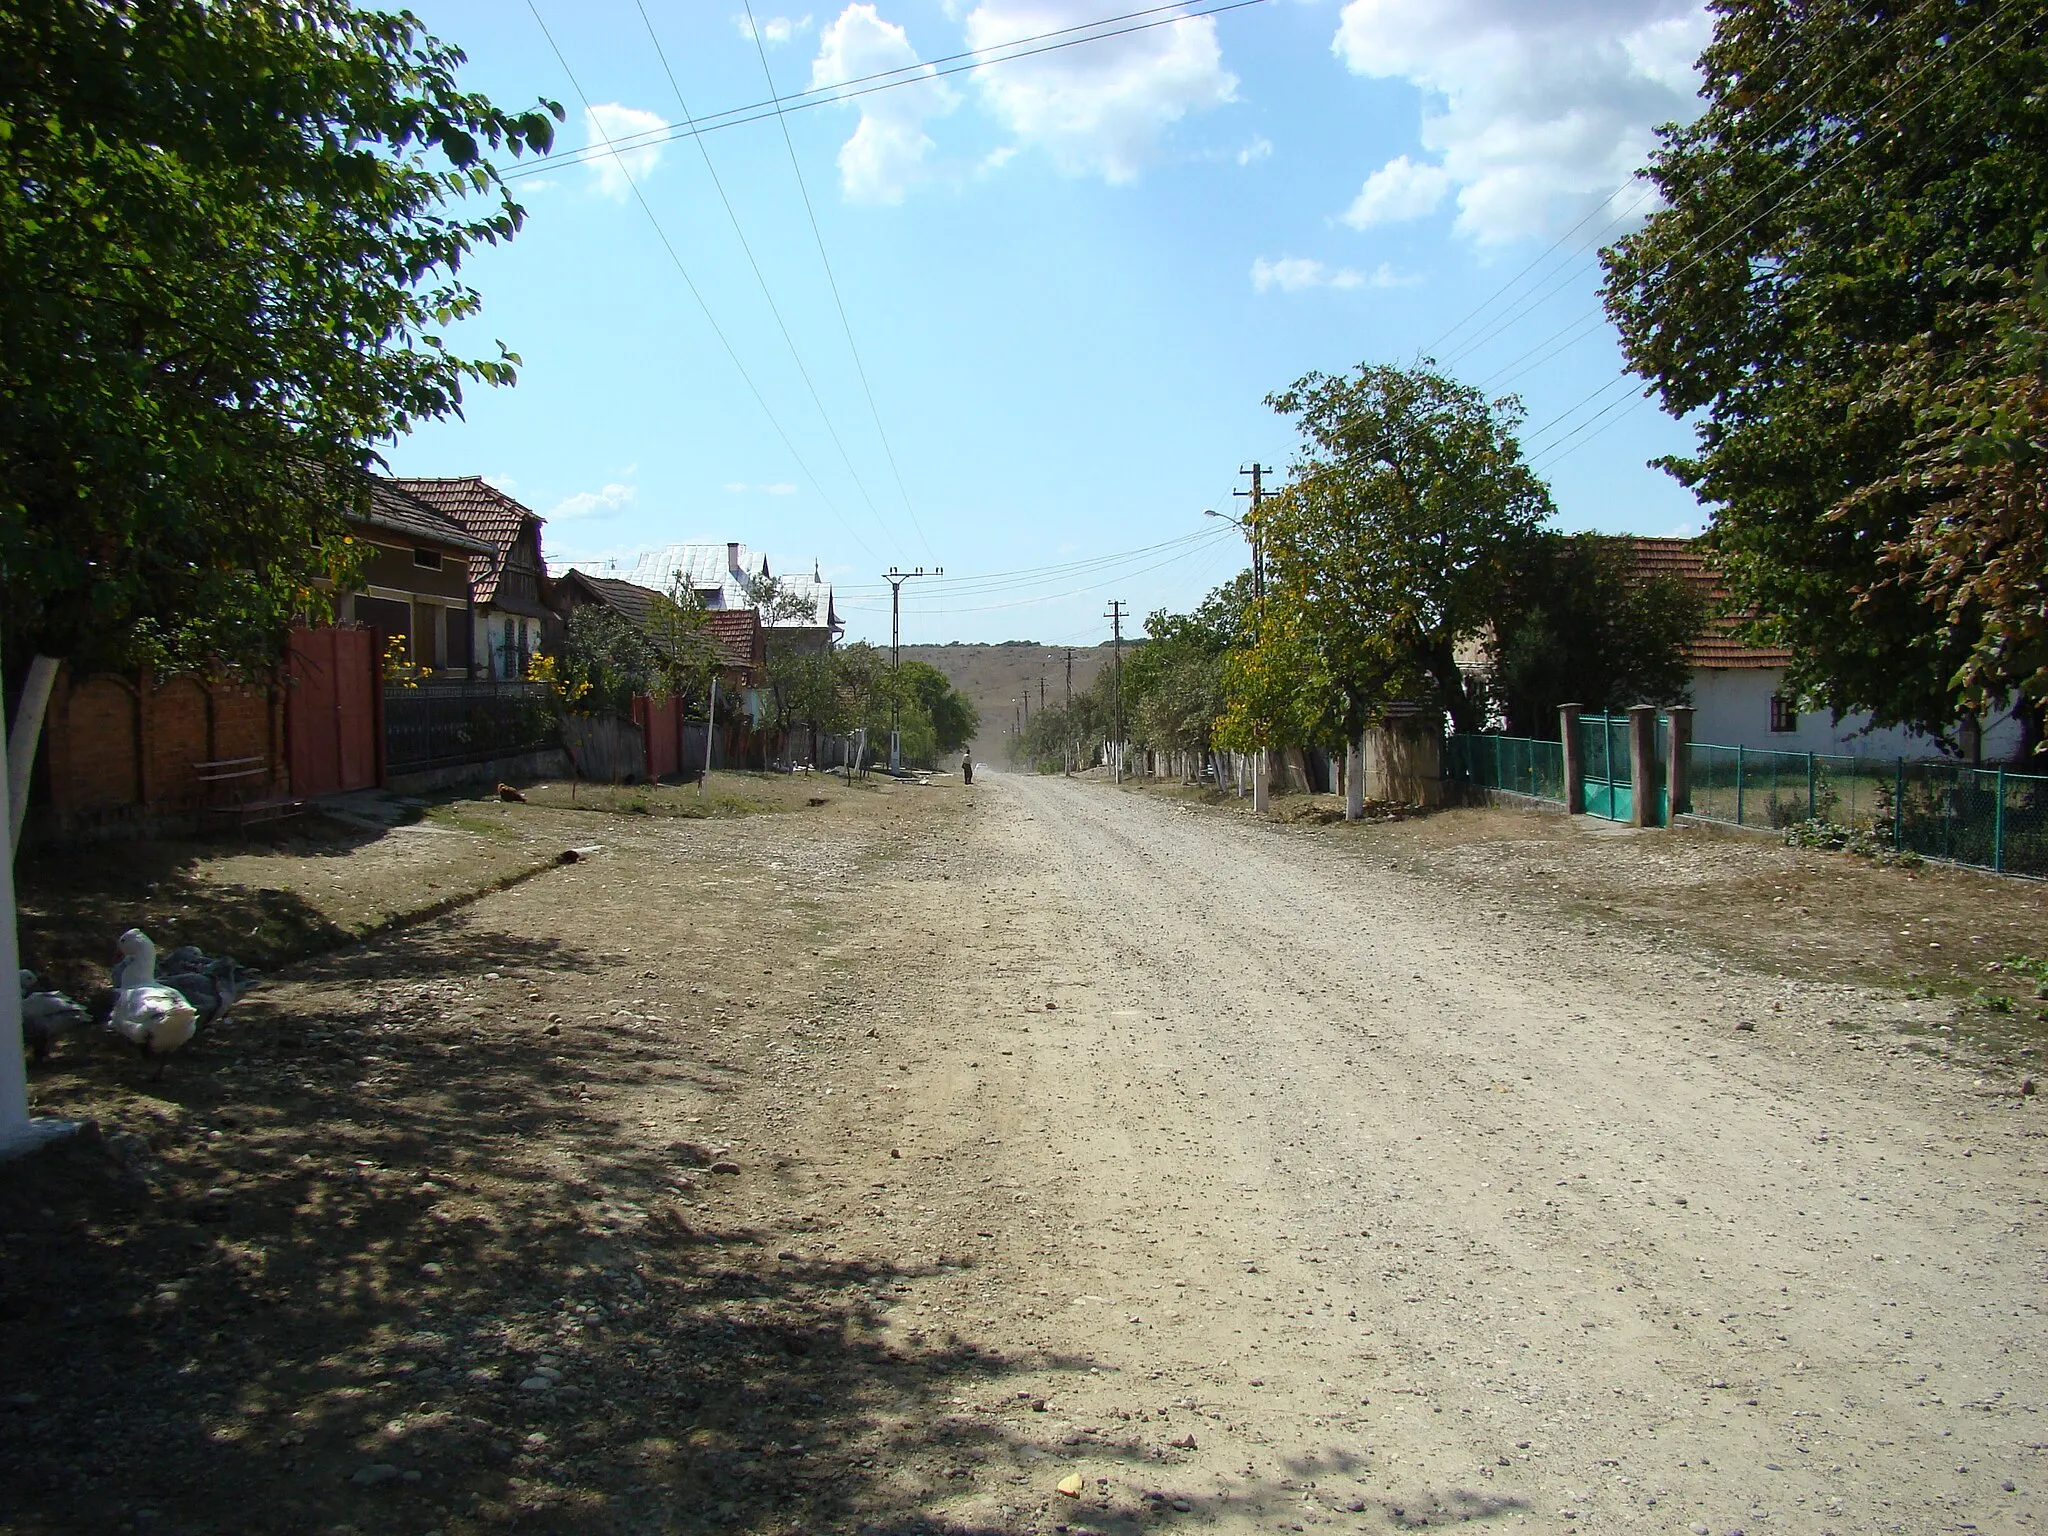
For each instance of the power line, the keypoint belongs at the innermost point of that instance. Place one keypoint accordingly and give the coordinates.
(860, 367)
(1051, 575)
(916, 73)
(1616, 220)
(773, 308)
(709, 318)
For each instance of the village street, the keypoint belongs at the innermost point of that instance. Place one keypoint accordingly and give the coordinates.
(886, 1166)
(1433, 1211)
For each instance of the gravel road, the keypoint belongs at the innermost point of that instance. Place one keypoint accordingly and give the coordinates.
(1410, 1209)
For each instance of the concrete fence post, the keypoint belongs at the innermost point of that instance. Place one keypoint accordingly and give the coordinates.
(1574, 759)
(1642, 765)
(1679, 769)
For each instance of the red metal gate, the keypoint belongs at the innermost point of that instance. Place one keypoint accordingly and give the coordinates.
(661, 727)
(331, 728)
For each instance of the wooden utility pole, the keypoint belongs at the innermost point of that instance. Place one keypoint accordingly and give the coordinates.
(1116, 687)
(896, 578)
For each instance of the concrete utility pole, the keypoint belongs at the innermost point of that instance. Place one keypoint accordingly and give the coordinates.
(1068, 753)
(896, 578)
(1116, 687)
(1254, 533)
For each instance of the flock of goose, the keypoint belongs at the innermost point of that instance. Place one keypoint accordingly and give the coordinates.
(155, 1014)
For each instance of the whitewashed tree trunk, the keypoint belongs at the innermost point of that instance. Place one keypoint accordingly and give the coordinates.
(22, 739)
(1260, 790)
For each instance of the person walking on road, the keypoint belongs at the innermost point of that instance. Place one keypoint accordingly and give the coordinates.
(966, 767)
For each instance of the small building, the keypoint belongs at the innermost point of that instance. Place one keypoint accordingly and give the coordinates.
(415, 579)
(508, 581)
(735, 634)
(1739, 693)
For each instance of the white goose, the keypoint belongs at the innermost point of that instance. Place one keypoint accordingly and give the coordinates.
(152, 1016)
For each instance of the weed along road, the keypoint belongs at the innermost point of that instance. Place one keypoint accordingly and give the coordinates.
(1032, 1158)
(1410, 1209)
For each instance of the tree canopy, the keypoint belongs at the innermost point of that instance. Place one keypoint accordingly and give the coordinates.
(1579, 623)
(1393, 541)
(1837, 291)
(232, 232)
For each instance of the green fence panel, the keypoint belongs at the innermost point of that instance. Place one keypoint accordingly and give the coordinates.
(1517, 765)
(1984, 817)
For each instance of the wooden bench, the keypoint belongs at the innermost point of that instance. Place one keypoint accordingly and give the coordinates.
(234, 770)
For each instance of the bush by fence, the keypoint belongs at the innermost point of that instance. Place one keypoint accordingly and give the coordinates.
(440, 725)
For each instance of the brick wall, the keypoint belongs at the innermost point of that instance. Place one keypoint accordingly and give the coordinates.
(125, 749)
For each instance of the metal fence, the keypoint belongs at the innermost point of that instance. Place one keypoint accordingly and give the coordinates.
(1981, 816)
(439, 725)
(1516, 765)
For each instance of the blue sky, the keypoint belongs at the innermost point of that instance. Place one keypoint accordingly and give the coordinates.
(1071, 278)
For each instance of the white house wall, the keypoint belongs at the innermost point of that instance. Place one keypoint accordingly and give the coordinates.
(1732, 708)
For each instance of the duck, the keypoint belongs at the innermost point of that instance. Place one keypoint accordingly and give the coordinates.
(155, 1018)
(212, 984)
(45, 1014)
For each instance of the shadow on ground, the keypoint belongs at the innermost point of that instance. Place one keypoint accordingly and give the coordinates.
(375, 1262)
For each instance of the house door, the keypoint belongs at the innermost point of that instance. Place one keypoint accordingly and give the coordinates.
(330, 712)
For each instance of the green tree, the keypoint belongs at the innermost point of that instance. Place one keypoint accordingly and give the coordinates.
(232, 231)
(605, 659)
(1395, 539)
(1580, 623)
(953, 718)
(1844, 235)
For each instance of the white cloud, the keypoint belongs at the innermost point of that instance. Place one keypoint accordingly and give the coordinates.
(1260, 148)
(775, 31)
(1100, 109)
(1296, 274)
(603, 503)
(887, 150)
(503, 482)
(1533, 113)
(608, 123)
(1400, 189)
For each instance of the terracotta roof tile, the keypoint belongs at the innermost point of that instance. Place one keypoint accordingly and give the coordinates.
(394, 511)
(486, 512)
(1719, 645)
(737, 634)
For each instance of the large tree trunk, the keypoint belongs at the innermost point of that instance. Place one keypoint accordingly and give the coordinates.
(22, 739)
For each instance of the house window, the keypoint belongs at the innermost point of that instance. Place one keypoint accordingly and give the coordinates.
(1784, 717)
(427, 559)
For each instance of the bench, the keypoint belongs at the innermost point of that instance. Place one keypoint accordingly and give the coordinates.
(234, 770)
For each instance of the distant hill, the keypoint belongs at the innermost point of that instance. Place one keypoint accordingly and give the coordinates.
(992, 676)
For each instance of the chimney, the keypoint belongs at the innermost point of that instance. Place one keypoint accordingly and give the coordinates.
(732, 556)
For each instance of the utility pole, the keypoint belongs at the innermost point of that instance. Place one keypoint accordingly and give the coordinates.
(896, 578)
(1068, 754)
(1256, 533)
(1041, 693)
(1116, 687)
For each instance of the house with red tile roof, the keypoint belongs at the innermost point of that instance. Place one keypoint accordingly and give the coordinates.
(415, 578)
(734, 633)
(1739, 692)
(508, 580)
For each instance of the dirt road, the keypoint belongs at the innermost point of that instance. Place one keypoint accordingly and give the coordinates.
(889, 1164)
(1410, 1210)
